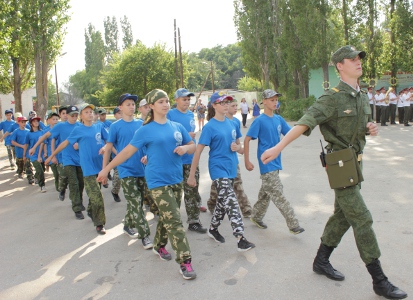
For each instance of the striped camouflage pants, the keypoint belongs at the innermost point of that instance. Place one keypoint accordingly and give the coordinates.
(168, 200)
(115, 182)
(146, 196)
(55, 175)
(135, 217)
(242, 198)
(227, 204)
(11, 153)
(24, 166)
(39, 175)
(272, 190)
(96, 206)
(63, 181)
(76, 185)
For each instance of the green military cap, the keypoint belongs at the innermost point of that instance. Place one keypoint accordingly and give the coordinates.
(346, 52)
(155, 95)
(101, 111)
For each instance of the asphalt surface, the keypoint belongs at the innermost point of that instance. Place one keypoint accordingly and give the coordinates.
(47, 254)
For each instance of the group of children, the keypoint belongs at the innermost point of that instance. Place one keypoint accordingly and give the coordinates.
(157, 157)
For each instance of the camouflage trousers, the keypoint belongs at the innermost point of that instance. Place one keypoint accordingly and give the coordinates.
(39, 175)
(146, 196)
(55, 175)
(272, 189)
(192, 199)
(168, 200)
(227, 204)
(76, 185)
(115, 182)
(11, 153)
(350, 210)
(24, 167)
(135, 217)
(96, 206)
(63, 181)
(242, 198)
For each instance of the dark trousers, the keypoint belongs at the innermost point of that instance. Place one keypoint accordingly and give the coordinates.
(401, 114)
(411, 114)
(393, 108)
(244, 119)
(378, 113)
(76, 185)
(384, 114)
(406, 115)
(372, 110)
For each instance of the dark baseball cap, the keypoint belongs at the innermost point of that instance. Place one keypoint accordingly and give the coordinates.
(51, 115)
(116, 110)
(8, 111)
(127, 96)
(346, 52)
(71, 109)
(63, 107)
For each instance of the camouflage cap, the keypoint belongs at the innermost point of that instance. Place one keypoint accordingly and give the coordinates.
(51, 115)
(346, 52)
(101, 110)
(183, 93)
(269, 94)
(155, 95)
(85, 105)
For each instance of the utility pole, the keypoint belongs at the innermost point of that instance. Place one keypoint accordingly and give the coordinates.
(176, 58)
(180, 59)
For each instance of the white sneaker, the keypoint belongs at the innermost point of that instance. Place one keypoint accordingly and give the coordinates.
(43, 189)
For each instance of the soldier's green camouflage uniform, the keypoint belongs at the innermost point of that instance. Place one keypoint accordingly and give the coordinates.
(242, 198)
(135, 217)
(272, 189)
(28, 167)
(192, 199)
(39, 175)
(96, 206)
(63, 181)
(168, 200)
(76, 185)
(146, 196)
(11, 152)
(115, 181)
(336, 114)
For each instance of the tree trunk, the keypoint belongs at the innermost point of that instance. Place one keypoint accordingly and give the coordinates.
(326, 84)
(345, 20)
(17, 92)
(42, 66)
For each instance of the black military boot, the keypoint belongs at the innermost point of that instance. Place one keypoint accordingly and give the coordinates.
(381, 285)
(322, 266)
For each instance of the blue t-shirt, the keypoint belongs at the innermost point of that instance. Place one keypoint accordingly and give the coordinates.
(105, 124)
(218, 136)
(120, 134)
(19, 136)
(13, 127)
(268, 130)
(5, 125)
(61, 131)
(187, 120)
(237, 124)
(31, 138)
(89, 139)
(164, 166)
(48, 143)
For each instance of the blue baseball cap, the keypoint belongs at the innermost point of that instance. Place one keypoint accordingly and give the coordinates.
(8, 111)
(126, 96)
(183, 93)
(219, 97)
(116, 110)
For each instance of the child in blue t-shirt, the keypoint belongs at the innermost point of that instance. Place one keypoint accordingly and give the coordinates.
(165, 142)
(90, 139)
(52, 119)
(221, 136)
(5, 125)
(131, 172)
(36, 157)
(268, 128)
(18, 140)
(192, 199)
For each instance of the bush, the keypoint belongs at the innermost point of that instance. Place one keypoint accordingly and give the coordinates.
(293, 110)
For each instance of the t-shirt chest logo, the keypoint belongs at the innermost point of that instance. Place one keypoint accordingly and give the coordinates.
(98, 138)
(234, 135)
(178, 138)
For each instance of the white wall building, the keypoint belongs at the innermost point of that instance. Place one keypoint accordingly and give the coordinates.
(7, 102)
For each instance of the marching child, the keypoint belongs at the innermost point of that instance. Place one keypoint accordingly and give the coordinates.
(165, 142)
(51, 120)
(222, 137)
(18, 140)
(268, 128)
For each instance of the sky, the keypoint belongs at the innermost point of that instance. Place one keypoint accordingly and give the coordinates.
(202, 24)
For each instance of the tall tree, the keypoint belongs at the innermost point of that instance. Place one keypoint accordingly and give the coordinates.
(127, 32)
(45, 21)
(111, 38)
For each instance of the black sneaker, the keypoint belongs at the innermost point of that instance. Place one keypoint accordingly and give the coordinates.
(129, 231)
(186, 270)
(106, 185)
(83, 207)
(79, 215)
(297, 230)
(260, 224)
(213, 233)
(116, 197)
(110, 177)
(197, 227)
(147, 243)
(20, 176)
(36, 181)
(31, 182)
(100, 229)
(62, 195)
(244, 245)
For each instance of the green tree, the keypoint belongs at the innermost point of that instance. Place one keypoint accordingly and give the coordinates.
(111, 38)
(138, 70)
(127, 32)
(45, 23)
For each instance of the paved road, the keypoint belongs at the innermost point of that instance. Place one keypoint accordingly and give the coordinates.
(47, 254)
